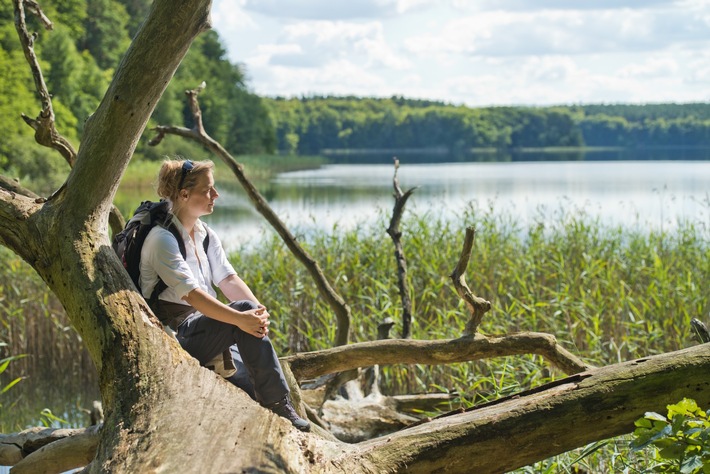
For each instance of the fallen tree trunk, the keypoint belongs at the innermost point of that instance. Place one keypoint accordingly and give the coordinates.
(516, 431)
(164, 413)
(527, 427)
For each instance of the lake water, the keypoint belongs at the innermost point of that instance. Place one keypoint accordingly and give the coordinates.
(652, 194)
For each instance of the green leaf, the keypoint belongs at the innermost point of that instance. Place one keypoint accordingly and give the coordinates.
(642, 441)
(589, 450)
(5, 362)
(691, 465)
(650, 415)
(9, 386)
(673, 451)
(687, 407)
(643, 423)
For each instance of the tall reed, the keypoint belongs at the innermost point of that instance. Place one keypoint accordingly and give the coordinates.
(57, 372)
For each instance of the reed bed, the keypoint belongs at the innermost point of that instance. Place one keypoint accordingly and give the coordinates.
(607, 293)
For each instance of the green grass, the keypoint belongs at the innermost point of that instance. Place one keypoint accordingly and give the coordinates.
(144, 173)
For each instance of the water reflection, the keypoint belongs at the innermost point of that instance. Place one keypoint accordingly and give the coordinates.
(642, 193)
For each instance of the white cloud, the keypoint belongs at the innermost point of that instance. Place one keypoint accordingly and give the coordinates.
(479, 53)
(558, 32)
(340, 77)
(322, 9)
(550, 69)
(650, 69)
(579, 5)
(321, 42)
(229, 16)
(699, 71)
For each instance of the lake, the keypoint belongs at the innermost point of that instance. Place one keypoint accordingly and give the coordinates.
(655, 194)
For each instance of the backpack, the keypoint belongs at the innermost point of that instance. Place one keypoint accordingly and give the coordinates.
(128, 243)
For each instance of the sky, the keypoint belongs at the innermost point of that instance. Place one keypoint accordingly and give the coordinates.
(473, 52)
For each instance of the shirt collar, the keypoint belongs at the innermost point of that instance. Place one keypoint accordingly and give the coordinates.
(200, 230)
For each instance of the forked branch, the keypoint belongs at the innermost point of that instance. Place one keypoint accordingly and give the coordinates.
(477, 307)
(46, 133)
(400, 199)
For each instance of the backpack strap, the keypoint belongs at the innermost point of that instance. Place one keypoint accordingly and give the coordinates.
(206, 242)
(161, 286)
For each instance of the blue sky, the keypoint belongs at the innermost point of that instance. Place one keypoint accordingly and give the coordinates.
(473, 52)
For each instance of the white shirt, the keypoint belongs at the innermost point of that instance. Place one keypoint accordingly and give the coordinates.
(160, 257)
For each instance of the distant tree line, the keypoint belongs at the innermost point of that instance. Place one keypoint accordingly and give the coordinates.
(79, 56)
(310, 125)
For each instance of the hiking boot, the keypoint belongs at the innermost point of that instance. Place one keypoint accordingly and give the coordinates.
(284, 409)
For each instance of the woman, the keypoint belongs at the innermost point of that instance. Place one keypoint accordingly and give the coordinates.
(205, 326)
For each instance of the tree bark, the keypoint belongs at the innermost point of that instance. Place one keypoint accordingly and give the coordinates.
(75, 449)
(516, 431)
(309, 365)
(400, 200)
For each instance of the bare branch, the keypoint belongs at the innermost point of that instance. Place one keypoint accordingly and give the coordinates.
(476, 306)
(36, 10)
(400, 199)
(46, 133)
(310, 365)
(596, 405)
(197, 133)
(14, 186)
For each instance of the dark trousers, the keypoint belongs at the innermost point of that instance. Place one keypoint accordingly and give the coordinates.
(203, 338)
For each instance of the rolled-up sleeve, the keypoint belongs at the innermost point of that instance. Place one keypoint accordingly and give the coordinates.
(219, 264)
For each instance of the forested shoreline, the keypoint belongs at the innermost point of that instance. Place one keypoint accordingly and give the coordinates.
(80, 54)
(312, 125)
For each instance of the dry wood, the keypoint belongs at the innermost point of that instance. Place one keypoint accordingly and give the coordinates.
(14, 186)
(50, 450)
(46, 132)
(519, 430)
(492, 438)
(400, 200)
(700, 330)
(309, 365)
(477, 307)
(44, 125)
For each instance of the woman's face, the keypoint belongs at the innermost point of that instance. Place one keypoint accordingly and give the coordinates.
(201, 197)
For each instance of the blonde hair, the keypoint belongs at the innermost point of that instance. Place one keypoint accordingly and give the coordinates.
(171, 174)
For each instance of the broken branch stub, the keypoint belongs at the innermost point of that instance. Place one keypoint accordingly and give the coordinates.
(400, 199)
(46, 133)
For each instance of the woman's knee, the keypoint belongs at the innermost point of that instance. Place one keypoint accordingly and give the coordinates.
(243, 305)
